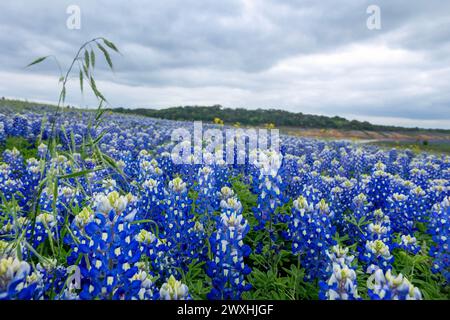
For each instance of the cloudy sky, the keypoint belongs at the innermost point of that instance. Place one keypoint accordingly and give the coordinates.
(315, 57)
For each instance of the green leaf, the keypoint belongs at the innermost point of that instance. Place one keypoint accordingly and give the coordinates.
(99, 109)
(100, 137)
(86, 58)
(110, 45)
(86, 71)
(76, 174)
(63, 94)
(106, 54)
(92, 58)
(99, 114)
(55, 195)
(81, 81)
(38, 60)
(95, 90)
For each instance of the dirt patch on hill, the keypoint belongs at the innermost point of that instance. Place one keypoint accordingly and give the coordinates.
(366, 135)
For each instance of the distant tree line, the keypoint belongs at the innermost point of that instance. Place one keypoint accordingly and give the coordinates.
(279, 118)
(258, 117)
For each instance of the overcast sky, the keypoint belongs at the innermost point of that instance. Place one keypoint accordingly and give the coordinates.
(315, 57)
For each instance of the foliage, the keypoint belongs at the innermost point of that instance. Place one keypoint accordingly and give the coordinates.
(261, 117)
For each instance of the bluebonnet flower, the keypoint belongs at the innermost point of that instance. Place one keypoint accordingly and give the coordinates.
(379, 186)
(206, 202)
(337, 169)
(311, 232)
(231, 203)
(19, 126)
(271, 193)
(42, 151)
(439, 228)
(296, 232)
(360, 208)
(401, 186)
(152, 200)
(297, 169)
(67, 199)
(112, 202)
(188, 170)
(106, 240)
(109, 185)
(13, 226)
(221, 173)
(438, 190)
(15, 161)
(359, 162)
(32, 175)
(13, 189)
(53, 277)
(4, 172)
(153, 248)
(342, 284)
(174, 290)
(340, 255)
(399, 213)
(60, 164)
(228, 269)
(409, 244)
(147, 290)
(418, 204)
(225, 193)
(166, 165)
(17, 281)
(385, 286)
(178, 227)
(77, 235)
(379, 228)
(376, 254)
(404, 162)
(337, 206)
(418, 176)
(148, 167)
(45, 227)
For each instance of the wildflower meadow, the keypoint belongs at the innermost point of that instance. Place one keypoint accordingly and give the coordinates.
(93, 206)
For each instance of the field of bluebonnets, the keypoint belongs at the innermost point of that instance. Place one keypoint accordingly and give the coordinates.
(336, 221)
(94, 207)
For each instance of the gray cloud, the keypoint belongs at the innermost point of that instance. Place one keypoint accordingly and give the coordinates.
(308, 56)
